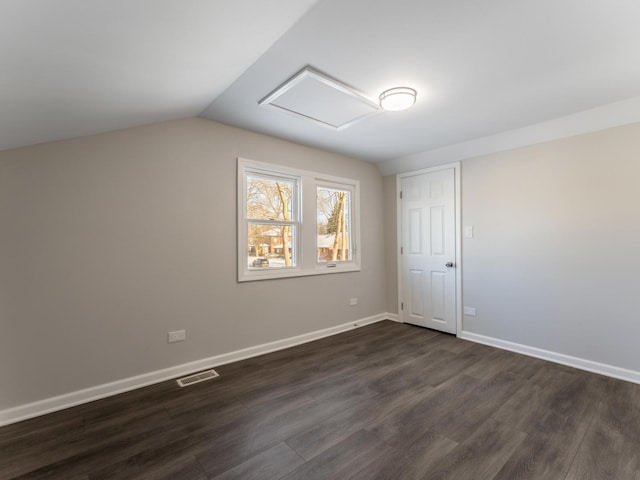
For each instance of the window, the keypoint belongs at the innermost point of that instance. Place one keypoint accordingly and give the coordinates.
(293, 222)
(334, 222)
(272, 220)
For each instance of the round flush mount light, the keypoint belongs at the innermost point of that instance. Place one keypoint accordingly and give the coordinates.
(398, 98)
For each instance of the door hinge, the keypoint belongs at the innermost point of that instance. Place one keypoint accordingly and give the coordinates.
(401, 306)
(400, 194)
(401, 250)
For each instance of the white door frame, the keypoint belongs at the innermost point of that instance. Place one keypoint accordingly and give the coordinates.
(458, 226)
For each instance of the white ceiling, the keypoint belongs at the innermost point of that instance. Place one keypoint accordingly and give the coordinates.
(77, 67)
(70, 68)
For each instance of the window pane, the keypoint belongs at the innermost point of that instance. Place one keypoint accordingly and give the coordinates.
(334, 224)
(266, 248)
(269, 198)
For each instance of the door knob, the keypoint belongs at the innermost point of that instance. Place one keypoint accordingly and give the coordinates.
(448, 264)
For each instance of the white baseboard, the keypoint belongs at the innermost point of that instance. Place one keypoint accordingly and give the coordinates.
(42, 407)
(580, 363)
(393, 317)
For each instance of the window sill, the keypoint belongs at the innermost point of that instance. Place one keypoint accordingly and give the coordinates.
(296, 272)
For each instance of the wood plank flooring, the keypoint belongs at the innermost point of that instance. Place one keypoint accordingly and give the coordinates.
(387, 401)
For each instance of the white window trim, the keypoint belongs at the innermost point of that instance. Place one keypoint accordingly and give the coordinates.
(306, 233)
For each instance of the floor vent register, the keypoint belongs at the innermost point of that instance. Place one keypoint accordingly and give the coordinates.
(197, 378)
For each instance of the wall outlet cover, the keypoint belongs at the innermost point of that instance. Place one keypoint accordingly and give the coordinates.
(177, 336)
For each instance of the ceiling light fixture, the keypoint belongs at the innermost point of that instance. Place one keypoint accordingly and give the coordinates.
(398, 98)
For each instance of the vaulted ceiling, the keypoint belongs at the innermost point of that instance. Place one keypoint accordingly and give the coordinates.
(70, 68)
(75, 67)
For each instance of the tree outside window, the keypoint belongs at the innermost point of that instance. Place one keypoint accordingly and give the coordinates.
(334, 223)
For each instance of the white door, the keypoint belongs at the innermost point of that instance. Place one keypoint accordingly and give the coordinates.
(428, 250)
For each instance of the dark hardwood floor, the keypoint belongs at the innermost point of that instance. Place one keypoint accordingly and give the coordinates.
(387, 401)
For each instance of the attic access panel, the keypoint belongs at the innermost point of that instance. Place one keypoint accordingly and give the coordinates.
(315, 96)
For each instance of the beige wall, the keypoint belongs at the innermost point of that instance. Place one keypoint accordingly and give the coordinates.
(555, 262)
(109, 242)
(555, 258)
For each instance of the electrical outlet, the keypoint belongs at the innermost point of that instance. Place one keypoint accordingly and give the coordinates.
(177, 336)
(353, 301)
(471, 311)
